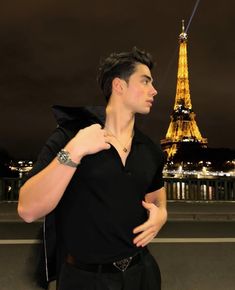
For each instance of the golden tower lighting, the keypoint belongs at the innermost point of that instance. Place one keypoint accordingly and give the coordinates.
(183, 127)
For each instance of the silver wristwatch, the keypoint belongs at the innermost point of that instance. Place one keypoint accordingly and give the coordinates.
(64, 158)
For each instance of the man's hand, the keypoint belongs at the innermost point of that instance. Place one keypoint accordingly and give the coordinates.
(149, 229)
(89, 140)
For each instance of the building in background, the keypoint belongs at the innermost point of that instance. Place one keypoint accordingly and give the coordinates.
(183, 128)
(187, 151)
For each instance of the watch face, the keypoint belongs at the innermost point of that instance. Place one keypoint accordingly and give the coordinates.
(64, 156)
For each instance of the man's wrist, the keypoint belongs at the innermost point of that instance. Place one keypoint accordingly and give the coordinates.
(160, 204)
(64, 157)
(76, 154)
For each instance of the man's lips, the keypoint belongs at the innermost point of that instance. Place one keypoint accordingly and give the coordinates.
(150, 101)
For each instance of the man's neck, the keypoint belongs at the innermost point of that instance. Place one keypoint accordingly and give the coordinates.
(119, 121)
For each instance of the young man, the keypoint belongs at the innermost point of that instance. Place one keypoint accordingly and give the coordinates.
(99, 182)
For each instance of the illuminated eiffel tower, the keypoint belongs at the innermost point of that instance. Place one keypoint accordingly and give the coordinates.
(183, 127)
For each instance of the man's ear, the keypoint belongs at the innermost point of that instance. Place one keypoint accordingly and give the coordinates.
(118, 85)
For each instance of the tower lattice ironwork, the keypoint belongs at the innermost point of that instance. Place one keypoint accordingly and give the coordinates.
(183, 127)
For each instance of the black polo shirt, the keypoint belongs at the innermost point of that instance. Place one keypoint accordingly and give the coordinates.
(102, 204)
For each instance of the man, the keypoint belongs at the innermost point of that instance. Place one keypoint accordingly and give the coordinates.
(101, 180)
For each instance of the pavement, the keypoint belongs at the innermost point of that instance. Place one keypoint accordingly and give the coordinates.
(177, 211)
(195, 249)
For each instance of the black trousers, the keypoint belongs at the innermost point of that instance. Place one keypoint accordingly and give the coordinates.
(143, 276)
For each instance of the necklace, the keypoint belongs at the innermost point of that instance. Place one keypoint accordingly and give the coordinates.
(124, 148)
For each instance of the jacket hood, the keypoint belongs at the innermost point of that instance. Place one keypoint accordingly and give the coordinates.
(92, 114)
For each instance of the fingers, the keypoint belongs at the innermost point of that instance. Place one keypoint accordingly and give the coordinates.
(145, 241)
(107, 146)
(147, 205)
(96, 125)
(106, 133)
(141, 228)
(147, 224)
(102, 136)
(107, 138)
(103, 132)
(144, 238)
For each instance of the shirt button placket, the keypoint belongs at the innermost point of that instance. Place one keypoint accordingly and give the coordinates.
(128, 172)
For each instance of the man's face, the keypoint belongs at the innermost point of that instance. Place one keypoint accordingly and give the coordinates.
(139, 91)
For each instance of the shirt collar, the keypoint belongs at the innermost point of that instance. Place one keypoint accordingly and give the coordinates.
(100, 113)
(95, 114)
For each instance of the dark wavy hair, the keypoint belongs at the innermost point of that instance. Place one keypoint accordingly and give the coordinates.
(121, 65)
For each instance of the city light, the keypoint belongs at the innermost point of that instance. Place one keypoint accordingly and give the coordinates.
(21, 166)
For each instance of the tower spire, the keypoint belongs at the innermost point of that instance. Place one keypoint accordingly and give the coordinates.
(183, 35)
(183, 127)
(182, 89)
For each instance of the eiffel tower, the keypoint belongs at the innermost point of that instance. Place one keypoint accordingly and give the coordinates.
(183, 127)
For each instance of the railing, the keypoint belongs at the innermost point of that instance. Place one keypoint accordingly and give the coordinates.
(177, 189)
(200, 189)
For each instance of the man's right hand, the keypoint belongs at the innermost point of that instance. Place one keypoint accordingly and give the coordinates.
(89, 140)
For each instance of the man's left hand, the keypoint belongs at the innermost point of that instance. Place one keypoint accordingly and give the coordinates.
(149, 229)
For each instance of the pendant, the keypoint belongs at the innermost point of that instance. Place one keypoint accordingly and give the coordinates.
(125, 149)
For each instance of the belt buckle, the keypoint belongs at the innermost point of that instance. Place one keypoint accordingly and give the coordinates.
(123, 264)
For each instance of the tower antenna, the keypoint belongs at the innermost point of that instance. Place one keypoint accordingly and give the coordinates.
(162, 83)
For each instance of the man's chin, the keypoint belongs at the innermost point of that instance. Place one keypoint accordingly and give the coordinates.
(145, 111)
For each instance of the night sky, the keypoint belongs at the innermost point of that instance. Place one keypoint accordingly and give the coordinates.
(50, 51)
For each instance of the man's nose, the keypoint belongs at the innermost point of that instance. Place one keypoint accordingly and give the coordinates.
(153, 91)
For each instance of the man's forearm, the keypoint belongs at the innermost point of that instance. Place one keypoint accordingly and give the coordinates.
(158, 197)
(42, 192)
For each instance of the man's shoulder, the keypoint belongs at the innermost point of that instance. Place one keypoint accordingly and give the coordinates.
(153, 147)
(144, 138)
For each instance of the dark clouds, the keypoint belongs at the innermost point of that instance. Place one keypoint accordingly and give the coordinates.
(50, 51)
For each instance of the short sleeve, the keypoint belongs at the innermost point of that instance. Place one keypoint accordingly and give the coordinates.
(157, 181)
(54, 144)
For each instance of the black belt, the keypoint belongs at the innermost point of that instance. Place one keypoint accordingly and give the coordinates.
(113, 267)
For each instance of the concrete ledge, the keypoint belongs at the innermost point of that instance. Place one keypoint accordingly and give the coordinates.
(201, 217)
(201, 211)
(177, 211)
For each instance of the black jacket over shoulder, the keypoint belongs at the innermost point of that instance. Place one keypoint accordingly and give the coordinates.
(69, 121)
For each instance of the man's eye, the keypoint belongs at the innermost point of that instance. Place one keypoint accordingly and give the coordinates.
(146, 82)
